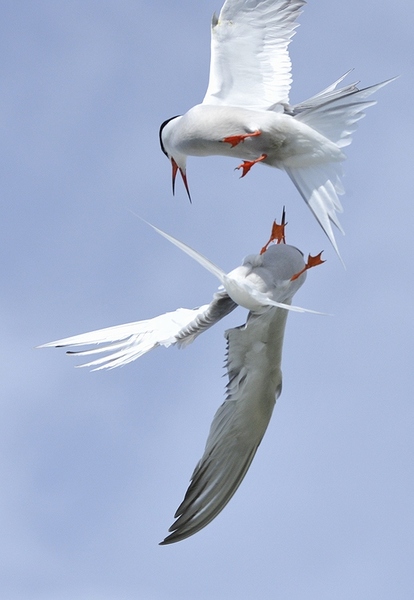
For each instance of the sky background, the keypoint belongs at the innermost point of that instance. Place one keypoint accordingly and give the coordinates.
(94, 465)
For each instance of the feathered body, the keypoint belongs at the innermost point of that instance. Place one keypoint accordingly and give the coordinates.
(264, 284)
(286, 141)
(246, 112)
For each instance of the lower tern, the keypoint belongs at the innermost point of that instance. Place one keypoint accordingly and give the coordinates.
(246, 113)
(264, 284)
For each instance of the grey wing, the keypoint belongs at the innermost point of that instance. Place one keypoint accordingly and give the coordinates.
(255, 381)
(219, 307)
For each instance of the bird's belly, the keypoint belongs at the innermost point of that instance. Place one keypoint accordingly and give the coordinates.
(284, 140)
(204, 129)
(302, 146)
(199, 144)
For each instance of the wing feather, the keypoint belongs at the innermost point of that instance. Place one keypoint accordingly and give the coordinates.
(319, 186)
(124, 343)
(334, 113)
(221, 306)
(250, 64)
(255, 381)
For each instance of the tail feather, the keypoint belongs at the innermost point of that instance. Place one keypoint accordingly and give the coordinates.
(319, 186)
(329, 93)
(334, 113)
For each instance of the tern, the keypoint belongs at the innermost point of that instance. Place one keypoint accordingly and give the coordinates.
(265, 284)
(246, 112)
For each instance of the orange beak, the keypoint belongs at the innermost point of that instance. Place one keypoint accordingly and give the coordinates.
(176, 168)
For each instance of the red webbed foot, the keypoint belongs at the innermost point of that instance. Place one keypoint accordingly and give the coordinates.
(237, 139)
(313, 261)
(277, 235)
(247, 164)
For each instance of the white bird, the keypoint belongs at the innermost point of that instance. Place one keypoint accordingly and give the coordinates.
(246, 112)
(265, 284)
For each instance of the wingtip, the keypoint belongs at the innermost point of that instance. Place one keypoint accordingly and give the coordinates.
(173, 537)
(391, 79)
(166, 541)
(335, 247)
(338, 254)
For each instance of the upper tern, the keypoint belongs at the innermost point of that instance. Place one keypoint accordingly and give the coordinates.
(264, 284)
(246, 112)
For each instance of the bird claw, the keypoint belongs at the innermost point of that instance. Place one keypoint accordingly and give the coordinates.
(247, 164)
(313, 261)
(234, 140)
(277, 235)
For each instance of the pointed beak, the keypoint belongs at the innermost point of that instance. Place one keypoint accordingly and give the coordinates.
(174, 174)
(176, 168)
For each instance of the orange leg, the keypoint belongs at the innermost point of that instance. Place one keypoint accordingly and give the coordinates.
(236, 139)
(247, 164)
(313, 261)
(277, 235)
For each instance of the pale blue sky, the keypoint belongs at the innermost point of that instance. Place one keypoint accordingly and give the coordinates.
(93, 465)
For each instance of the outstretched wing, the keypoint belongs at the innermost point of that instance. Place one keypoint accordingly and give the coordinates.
(255, 381)
(122, 344)
(250, 64)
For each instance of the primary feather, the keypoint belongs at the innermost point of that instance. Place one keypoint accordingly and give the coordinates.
(122, 344)
(250, 64)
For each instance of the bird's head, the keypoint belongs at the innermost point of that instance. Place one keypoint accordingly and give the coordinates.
(177, 159)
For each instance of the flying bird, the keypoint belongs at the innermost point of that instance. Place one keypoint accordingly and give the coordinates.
(265, 284)
(246, 112)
